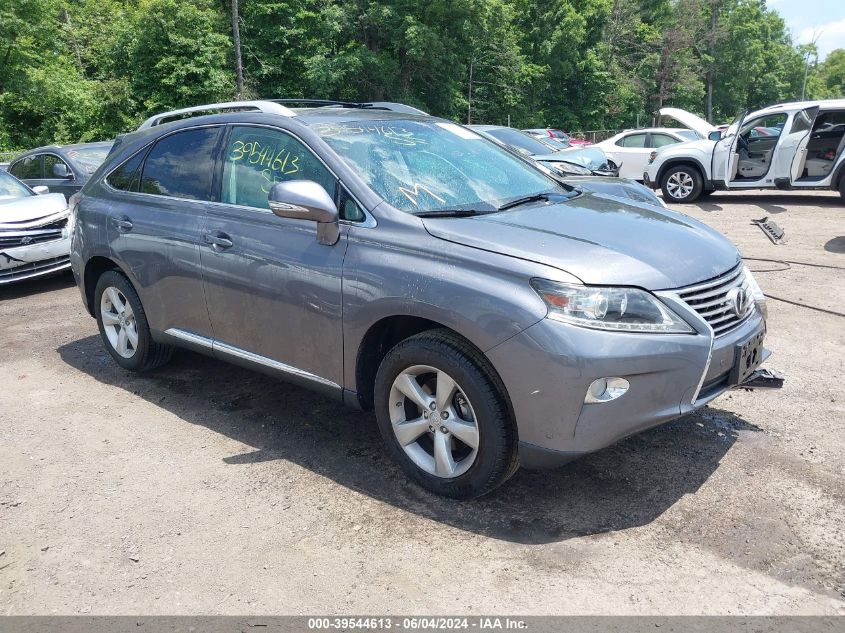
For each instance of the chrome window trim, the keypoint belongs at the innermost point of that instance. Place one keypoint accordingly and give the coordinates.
(231, 350)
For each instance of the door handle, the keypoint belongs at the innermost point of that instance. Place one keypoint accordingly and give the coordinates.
(219, 241)
(123, 224)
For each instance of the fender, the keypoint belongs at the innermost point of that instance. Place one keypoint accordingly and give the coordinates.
(671, 162)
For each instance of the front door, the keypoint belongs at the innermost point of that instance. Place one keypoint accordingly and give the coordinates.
(725, 158)
(273, 291)
(58, 176)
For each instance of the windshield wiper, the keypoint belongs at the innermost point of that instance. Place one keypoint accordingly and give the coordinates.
(546, 195)
(449, 213)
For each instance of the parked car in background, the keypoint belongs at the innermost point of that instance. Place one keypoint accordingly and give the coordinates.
(491, 314)
(63, 168)
(567, 161)
(559, 135)
(631, 149)
(797, 152)
(34, 239)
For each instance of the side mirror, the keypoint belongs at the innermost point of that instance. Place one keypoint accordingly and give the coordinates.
(307, 200)
(60, 170)
(715, 135)
(41, 190)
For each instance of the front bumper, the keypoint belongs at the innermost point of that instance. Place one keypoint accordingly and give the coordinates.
(27, 262)
(548, 368)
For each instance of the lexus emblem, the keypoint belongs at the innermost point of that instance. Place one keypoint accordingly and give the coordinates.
(739, 301)
(26, 240)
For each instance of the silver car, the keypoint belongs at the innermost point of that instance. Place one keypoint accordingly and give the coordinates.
(490, 314)
(34, 239)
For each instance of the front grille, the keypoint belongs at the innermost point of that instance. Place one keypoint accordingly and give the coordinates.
(711, 300)
(45, 233)
(31, 269)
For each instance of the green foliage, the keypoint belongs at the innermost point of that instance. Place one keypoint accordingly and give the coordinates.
(74, 70)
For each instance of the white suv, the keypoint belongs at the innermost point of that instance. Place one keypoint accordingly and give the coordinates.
(786, 146)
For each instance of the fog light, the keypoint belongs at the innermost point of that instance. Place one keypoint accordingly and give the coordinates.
(606, 389)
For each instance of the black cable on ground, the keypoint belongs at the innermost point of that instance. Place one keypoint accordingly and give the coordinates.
(788, 263)
(805, 305)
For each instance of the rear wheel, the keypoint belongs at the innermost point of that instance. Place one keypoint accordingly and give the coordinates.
(681, 184)
(444, 416)
(123, 325)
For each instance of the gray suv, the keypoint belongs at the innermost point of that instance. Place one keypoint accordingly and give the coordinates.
(489, 313)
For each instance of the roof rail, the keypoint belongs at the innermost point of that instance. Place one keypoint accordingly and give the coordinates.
(268, 107)
(374, 105)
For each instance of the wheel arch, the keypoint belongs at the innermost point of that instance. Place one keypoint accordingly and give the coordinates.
(94, 269)
(382, 336)
(683, 160)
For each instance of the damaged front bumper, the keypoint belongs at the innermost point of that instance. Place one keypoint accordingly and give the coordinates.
(34, 249)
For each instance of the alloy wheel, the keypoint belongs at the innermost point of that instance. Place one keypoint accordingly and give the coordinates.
(433, 421)
(119, 322)
(680, 185)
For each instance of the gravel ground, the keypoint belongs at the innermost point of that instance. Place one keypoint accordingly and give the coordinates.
(204, 488)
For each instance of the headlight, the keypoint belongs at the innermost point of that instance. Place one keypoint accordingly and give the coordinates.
(616, 309)
(756, 292)
(651, 157)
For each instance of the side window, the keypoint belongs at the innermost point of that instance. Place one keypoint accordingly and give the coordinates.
(349, 209)
(181, 165)
(29, 167)
(660, 140)
(801, 122)
(51, 161)
(257, 158)
(126, 177)
(769, 126)
(634, 140)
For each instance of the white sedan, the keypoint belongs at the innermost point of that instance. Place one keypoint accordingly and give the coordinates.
(34, 231)
(631, 149)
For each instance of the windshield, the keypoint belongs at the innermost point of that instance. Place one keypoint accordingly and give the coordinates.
(11, 189)
(520, 140)
(421, 166)
(88, 158)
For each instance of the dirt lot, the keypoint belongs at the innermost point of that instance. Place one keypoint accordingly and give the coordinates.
(205, 488)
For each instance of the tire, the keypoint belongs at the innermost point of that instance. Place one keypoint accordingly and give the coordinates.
(842, 186)
(682, 184)
(123, 325)
(439, 362)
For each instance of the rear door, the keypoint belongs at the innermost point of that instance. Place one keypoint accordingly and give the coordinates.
(791, 153)
(155, 226)
(631, 152)
(28, 170)
(273, 291)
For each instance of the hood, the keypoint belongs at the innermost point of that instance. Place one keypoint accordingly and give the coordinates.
(692, 121)
(19, 212)
(600, 240)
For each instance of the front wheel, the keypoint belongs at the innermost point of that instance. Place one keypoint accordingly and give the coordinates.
(442, 411)
(681, 184)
